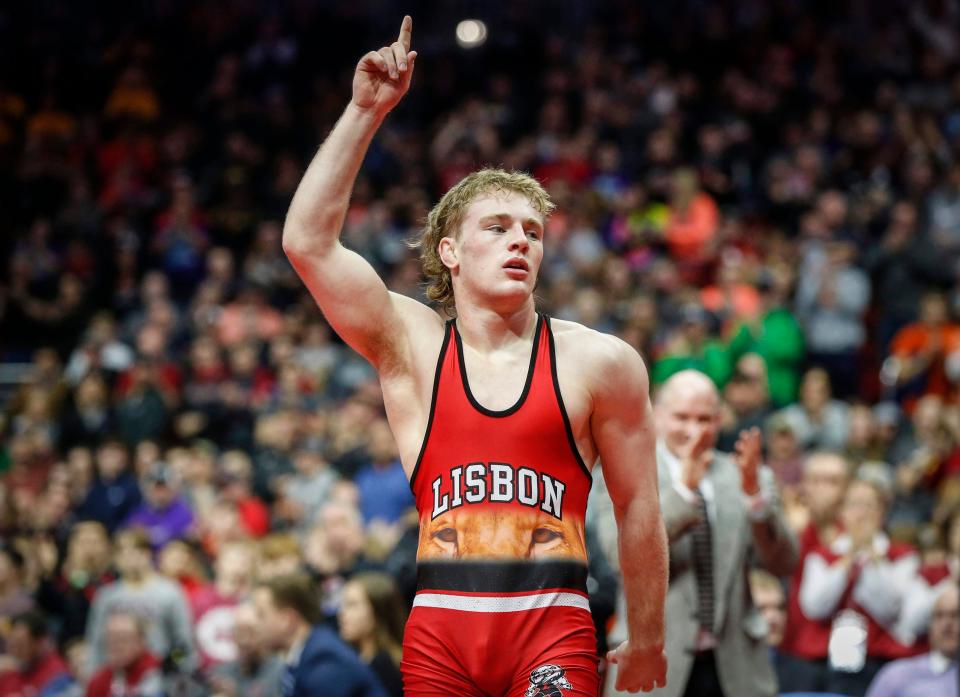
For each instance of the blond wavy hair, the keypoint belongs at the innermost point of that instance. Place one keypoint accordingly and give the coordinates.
(447, 216)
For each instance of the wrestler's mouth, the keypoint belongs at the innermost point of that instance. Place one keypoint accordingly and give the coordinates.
(517, 267)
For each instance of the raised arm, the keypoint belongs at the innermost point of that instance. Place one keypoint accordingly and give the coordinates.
(623, 432)
(349, 292)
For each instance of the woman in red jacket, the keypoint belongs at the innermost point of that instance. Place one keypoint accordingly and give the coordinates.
(858, 582)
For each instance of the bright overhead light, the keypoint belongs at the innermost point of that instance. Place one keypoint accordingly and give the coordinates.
(471, 33)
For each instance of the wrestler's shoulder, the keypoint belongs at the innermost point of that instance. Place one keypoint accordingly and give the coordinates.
(593, 350)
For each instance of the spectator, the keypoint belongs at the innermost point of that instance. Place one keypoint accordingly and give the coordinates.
(278, 555)
(164, 514)
(266, 265)
(776, 336)
(818, 420)
(250, 383)
(305, 492)
(732, 299)
(719, 510)
(920, 349)
(236, 477)
(179, 561)
(691, 347)
(769, 598)
(317, 661)
(15, 598)
(39, 668)
(933, 673)
(371, 619)
(943, 212)
(206, 376)
(858, 582)
(254, 672)
(214, 606)
(334, 551)
(156, 599)
(746, 398)
(692, 223)
(142, 413)
(802, 664)
(86, 568)
(101, 349)
(903, 267)
(180, 239)
(196, 466)
(384, 491)
(832, 298)
(940, 559)
(863, 445)
(90, 417)
(129, 668)
(248, 318)
(923, 460)
(115, 493)
(784, 457)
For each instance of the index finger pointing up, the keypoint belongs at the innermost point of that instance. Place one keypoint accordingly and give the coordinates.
(406, 28)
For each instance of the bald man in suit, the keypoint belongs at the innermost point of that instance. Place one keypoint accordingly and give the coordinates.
(723, 517)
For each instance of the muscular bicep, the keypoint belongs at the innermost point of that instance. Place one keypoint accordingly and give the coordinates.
(369, 318)
(623, 430)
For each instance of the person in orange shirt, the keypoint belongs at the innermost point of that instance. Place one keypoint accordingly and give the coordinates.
(919, 350)
(731, 297)
(693, 221)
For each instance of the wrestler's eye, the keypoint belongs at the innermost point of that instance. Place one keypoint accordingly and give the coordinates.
(544, 535)
(446, 535)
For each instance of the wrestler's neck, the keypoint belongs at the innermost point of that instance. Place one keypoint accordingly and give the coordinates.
(486, 329)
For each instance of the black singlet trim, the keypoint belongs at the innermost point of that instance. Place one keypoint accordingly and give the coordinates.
(433, 404)
(501, 576)
(572, 442)
(526, 386)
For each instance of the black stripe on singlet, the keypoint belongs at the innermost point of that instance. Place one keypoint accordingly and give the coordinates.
(501, 576)
(571, 441)
(433, 403)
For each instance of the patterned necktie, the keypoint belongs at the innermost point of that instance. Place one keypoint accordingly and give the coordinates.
(703, 565)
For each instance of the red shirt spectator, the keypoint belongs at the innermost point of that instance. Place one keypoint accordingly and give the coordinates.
(858, 584)
(39, 666)
(130, 671)
(213, 605)
(921, 348)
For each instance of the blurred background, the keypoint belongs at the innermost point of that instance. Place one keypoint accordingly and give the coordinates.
(768, 191)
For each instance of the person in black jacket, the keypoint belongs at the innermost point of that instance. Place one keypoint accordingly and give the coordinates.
(317, 660)
(115, 493)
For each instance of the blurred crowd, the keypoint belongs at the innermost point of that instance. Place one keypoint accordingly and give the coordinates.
(768, 192)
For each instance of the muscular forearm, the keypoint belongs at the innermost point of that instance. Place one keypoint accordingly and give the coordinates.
(320, 204)
(643, 566)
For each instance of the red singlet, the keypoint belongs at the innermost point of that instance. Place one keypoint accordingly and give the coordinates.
(501, 606)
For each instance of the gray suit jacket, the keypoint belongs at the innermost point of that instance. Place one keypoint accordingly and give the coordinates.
(743, 662)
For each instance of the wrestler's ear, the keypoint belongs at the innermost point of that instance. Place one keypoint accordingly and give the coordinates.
(447, 249)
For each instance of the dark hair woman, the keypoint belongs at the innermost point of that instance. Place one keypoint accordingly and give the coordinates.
(371, 619)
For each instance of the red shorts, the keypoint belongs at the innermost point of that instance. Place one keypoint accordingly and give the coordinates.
(512, 645)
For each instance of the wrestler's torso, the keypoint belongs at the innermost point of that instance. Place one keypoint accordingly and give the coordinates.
(495, 380)
(505, 484)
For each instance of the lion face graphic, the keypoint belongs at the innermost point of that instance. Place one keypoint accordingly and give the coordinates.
(500, 534)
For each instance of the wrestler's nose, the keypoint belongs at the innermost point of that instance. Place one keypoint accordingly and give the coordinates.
(518, 238)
